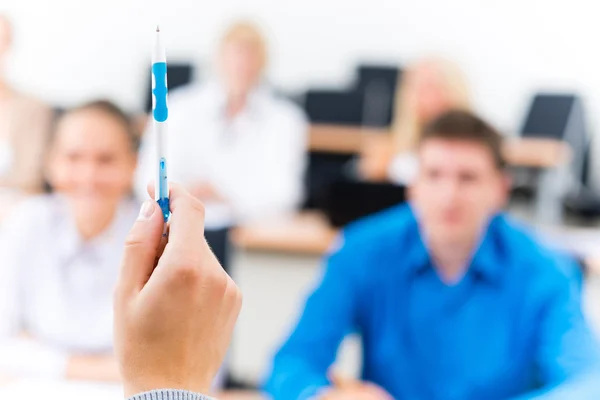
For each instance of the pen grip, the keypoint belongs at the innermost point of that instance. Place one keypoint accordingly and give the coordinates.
(160, 90)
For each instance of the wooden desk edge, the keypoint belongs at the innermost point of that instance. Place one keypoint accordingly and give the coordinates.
(315, 241)
(342, 139)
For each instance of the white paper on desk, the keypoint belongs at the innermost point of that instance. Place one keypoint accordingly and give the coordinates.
(28, 389)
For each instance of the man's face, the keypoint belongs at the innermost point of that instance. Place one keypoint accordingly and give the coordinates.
(457, 190)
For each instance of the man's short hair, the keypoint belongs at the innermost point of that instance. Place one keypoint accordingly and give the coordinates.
(460, 125)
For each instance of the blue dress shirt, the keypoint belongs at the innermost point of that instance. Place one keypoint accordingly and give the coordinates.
(512, 326)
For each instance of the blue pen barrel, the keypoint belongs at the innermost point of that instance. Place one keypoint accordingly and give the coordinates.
(163, 200)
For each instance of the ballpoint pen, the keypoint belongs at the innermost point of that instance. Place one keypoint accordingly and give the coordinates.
(160, 114)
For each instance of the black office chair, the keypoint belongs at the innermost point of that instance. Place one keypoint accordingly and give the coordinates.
(348, 200)
(559, 116)
(337, 107)
(378, 85)
(323, 169)
(368, 103)
(583, 201)
(178, 74)
(562, 117)
(367, 73)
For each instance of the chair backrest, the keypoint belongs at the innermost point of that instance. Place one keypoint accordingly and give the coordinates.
(334, 107)
(561, 117)
(178, 74)
(378, 85)
(389, 75)
(548, 116)
(348, 201)
(323, 169)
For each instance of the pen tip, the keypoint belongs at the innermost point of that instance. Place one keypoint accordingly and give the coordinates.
(157, 28)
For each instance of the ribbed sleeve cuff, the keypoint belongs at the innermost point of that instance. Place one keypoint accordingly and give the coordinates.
(169, 394)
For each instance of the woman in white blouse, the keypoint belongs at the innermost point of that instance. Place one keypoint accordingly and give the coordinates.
(232, 142)
(61, 252)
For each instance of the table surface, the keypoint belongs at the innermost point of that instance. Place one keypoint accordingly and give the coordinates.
(525, 152)
(303, 233)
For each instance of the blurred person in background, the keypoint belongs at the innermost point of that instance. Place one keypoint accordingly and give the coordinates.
(452, 299)
(61, 251)
(428, 89)
(232, 142)
(24, 127)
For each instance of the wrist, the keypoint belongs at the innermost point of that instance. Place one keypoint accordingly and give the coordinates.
(132, 389)
(167, 394)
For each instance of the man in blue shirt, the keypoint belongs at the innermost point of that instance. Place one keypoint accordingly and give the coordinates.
(452, 299)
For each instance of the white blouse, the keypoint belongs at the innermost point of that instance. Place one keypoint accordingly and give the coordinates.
(55, 286)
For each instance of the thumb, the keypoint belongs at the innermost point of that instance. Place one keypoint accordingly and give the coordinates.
(141, 247)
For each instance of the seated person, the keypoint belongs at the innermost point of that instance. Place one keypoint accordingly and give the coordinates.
(232, 142)
(428, 88)
(452, 299)
(61, 252)
(24, 127)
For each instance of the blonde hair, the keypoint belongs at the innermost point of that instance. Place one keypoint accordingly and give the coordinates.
(247, 32)
(407, 124)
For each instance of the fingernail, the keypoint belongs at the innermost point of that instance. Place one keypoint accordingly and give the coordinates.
(147, 210)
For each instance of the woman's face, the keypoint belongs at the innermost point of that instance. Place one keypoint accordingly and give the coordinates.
(91, 160)
(241, 65)
(431, 93)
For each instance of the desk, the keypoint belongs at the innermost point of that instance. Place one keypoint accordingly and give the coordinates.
(342, 139)
(305, 233)
(520, 152)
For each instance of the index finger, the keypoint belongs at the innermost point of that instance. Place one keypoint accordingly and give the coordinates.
(187, 218)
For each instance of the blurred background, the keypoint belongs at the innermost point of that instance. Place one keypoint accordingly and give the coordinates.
(531, 68)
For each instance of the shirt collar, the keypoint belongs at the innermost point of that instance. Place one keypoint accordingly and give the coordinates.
(486, 262)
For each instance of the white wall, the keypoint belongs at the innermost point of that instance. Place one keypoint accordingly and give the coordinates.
(70, 50)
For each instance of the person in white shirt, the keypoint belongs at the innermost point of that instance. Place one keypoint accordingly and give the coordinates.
(61, 252)
(232, 142)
